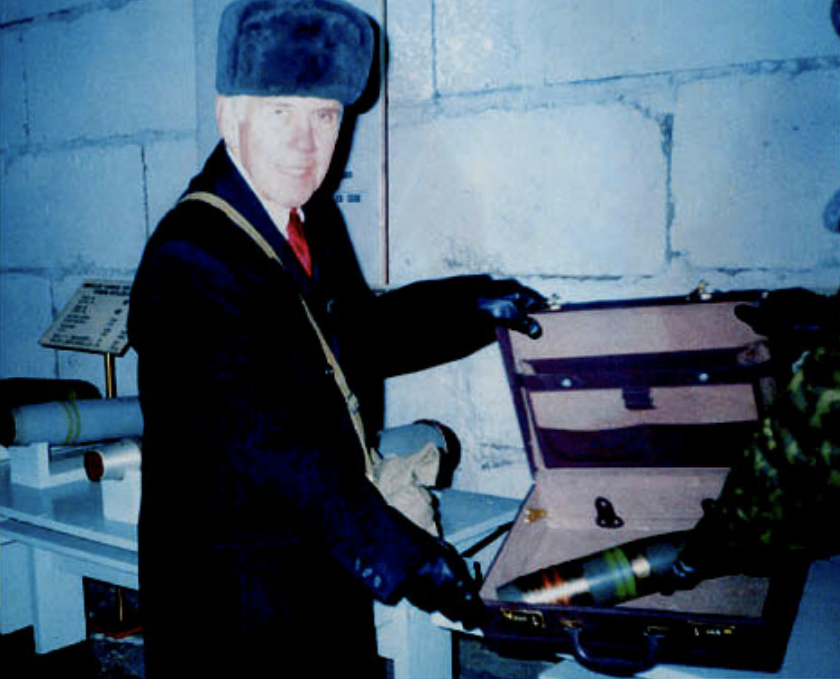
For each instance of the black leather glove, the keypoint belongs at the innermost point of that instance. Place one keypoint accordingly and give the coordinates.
(709, 552)
(794, 320)
(507, 302)
(680, 576)
(443, 583)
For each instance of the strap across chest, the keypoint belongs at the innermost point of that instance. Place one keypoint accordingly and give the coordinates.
(350, 398)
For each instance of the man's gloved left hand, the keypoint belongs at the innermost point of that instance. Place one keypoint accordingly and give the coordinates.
(508, 303)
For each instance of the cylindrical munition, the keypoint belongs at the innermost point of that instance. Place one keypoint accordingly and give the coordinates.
(19, 391)
(112, 460)
(621, 573)
(72, 422)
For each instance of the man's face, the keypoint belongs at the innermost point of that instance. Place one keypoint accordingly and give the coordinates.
(285, 144)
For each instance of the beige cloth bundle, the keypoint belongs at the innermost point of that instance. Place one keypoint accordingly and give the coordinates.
(405, 480)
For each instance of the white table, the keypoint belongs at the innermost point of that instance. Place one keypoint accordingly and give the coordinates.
(53, 538)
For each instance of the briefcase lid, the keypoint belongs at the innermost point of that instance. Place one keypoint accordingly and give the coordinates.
(660, 382)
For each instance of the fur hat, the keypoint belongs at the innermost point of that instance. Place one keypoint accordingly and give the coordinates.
(835, 15)
(315, 48)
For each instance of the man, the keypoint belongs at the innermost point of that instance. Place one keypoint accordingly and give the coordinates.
(262, 542)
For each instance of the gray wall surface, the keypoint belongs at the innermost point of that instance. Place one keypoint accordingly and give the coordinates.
(595, 150)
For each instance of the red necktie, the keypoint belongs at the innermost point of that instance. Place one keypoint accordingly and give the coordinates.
(298, 241)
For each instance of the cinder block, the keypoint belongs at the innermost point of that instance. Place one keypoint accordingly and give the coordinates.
(76, 365)
(755, 160)
(495, 439)
(410, 50)
(489, 396)
(12, 90)
(436, 394)
(169, 165)
(26, 310)
(472, 397)
(16, 10)
(496, 45)
(572, 191)
(80, 208)
(440, 387)
(127, 374)
(479, 45)
(207, 14)
(112, 72)
(359, 193)
(507, 480)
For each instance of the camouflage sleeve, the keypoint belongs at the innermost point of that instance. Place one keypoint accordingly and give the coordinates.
(783, 491)
(785, 488)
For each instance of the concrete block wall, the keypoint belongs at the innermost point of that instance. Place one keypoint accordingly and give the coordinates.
(596, 150)
(603, 150)
(98, 134)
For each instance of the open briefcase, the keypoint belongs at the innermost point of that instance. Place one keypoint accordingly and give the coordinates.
(631, 413)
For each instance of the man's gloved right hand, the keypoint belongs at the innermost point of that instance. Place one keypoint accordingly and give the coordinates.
(508, 303)
(443, 583)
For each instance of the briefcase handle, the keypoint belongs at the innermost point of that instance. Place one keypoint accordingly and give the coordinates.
(613, 665)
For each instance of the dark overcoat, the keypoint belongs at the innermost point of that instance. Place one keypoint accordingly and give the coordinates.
(262, 544)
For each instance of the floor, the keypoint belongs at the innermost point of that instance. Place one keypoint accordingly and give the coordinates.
(103, 656)
(97, 658)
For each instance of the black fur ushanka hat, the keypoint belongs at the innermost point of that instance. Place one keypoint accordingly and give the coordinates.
(315, 48)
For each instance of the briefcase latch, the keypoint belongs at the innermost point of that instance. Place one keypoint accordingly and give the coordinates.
(520, 618)
(534, 514)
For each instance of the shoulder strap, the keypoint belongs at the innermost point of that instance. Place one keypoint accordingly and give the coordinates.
(236, 217)
(350, 398)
